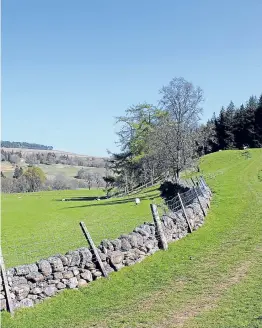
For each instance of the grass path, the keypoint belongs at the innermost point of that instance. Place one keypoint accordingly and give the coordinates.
(211, 278)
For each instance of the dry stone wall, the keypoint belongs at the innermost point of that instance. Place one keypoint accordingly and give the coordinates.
(31, 284)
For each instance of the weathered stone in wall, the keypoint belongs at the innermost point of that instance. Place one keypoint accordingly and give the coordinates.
(102, 255)
(139, 238)
(107, 244)
(85, 256)
(75, 272)
(36, 291)
(32, 297)
(60, 285)
(132, 240)
(22, 270)
(125, 245)
(142, 232)
(27, 302)
(168, 222)
(56, 263)
(82, 283)
(50, 291)
(53, 282)
(10, 272)
(146, 227)
(73, 282)
(90, 265)
(97, 274)
(116, 244)
(21, 291)
(42, 284)
(63, 258)
(35, 277)
(16, 280)
(58, 275)
(73, 258)
(44, 267)
(68, 275)
(149, 244)
(108, 268)
(116, 257)
(87, 275)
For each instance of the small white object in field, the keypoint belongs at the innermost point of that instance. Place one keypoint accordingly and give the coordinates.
(63, 200)
(137, 201)
(98, 198)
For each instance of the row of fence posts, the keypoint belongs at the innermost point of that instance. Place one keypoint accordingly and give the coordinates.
(159, 230)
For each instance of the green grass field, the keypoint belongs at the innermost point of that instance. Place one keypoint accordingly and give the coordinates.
(211, 278)
(48, 225)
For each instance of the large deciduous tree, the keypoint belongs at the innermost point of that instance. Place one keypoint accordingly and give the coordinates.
(176, 134)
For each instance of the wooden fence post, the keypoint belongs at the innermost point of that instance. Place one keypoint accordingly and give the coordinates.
(158, 226)
(202, 208)
(193, 181)
(93, 247)
(184, 211)
(9, 302)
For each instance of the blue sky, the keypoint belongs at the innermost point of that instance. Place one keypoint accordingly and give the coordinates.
(70, 67)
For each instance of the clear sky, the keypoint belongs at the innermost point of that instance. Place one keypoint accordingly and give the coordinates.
(70, 66)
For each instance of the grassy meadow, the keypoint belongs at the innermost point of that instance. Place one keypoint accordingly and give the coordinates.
(47, 224)
(211, 278)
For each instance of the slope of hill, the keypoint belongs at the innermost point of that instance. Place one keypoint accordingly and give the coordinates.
(211, 278)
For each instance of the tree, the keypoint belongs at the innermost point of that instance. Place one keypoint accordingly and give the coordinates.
(249, 121)
(97, 179)
(110, 181)
(14, 159)
(82, 174)
(258, 124)
(89, 179)
(135, 128)
(35, 178)
(18, 172)
(176, 133)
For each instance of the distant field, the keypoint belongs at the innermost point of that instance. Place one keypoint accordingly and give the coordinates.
(52, 170)
(58, 152)
(209, 279)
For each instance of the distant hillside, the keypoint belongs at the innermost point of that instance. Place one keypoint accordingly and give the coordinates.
(49, 157)
(27, 145)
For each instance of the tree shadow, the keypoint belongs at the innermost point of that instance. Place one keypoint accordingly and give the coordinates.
(113, 202)
(79, 199)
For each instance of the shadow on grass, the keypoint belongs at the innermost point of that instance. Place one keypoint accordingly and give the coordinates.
(79, 199)
(113, 202)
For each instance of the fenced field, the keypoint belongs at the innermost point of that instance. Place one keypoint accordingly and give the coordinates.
(211, 278)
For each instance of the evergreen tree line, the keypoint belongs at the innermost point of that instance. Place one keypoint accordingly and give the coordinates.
(27, 145)
(233, 128)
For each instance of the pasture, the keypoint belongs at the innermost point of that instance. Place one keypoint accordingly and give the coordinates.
(211, 278)
(69, 171)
